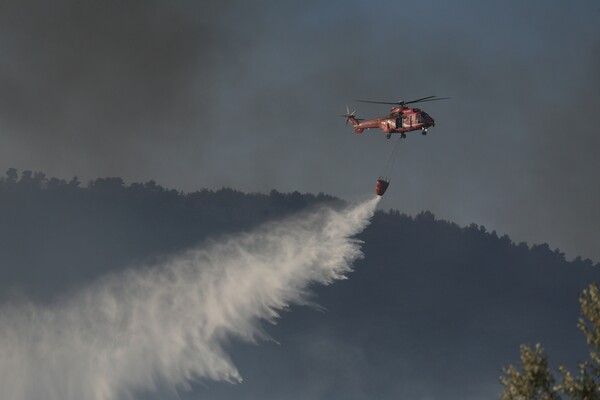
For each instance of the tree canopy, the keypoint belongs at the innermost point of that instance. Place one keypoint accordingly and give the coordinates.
(534, 379)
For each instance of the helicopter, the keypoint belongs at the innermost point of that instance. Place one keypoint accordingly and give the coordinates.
(401, 119)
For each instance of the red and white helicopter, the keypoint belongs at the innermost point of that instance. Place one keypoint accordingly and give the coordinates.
(401, 119)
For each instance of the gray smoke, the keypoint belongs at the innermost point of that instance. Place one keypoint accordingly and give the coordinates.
(165, 326)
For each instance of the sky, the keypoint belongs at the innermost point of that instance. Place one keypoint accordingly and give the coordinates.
(249, 95)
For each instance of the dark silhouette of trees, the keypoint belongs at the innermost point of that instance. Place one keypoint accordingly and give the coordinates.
(56, 232)
(11, 175)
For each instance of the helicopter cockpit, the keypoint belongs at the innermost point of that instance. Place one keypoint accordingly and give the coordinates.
(423, 117)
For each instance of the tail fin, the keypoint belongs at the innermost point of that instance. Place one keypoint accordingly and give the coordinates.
(354, 121)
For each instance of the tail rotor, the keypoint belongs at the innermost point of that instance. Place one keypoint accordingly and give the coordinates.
(349, 115)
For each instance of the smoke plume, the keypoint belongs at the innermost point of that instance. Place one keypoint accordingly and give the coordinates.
(165, 326)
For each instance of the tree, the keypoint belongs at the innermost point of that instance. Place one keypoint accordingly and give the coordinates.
(535, 380)
(12, 175)
(586, 386)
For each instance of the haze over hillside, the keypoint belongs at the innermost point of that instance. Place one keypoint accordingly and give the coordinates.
(433, 309)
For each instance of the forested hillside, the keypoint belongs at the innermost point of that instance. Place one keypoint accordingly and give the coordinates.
(55, 233)
(431, 301)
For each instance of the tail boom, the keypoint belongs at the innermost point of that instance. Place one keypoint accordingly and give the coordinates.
(355, 123)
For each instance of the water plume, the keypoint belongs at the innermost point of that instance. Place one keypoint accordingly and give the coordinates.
(165, 326)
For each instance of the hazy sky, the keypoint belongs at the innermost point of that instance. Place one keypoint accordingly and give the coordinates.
(243, 94)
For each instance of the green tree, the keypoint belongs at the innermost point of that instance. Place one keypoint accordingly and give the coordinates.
(534, 380)
(586, 385)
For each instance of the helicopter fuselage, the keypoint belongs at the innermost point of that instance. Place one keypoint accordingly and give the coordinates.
(399, 120)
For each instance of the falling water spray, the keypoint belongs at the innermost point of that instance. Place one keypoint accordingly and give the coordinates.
(166, 325)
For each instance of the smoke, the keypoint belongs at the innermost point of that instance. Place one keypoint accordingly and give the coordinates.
(165, 326)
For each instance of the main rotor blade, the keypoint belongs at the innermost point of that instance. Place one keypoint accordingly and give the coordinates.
(416, 101)
(377, 102)
(426, 100)
(401, 103)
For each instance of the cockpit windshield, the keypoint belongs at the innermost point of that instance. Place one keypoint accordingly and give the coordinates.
(423, 118)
